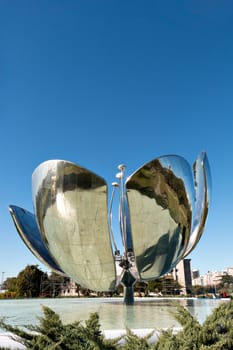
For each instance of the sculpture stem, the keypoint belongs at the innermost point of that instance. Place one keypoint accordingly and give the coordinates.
(129, 295)
(128, 282)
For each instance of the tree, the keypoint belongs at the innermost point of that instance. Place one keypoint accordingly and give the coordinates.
(51, 285)
(200, 290)
(28, 281)
(226, 279)
(155, 285)
(225, 286)
(10, 284)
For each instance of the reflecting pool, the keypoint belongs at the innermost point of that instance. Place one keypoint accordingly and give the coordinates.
(146, 313)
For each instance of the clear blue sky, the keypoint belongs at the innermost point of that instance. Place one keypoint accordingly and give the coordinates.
(105, 82)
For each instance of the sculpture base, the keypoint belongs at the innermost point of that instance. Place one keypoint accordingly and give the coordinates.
(128, 282)
(129, 295)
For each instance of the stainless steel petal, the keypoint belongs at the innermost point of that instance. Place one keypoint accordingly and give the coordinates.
(27, 228)
(202, 187)
(160, 198)
(70, 204)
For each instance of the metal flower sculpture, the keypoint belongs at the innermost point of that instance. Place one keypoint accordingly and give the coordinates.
(163, 208)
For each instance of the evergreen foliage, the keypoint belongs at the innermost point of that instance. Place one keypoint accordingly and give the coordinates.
(216, 333)
(52, 334)
(29, 281)
(132, 341)
(217, 330)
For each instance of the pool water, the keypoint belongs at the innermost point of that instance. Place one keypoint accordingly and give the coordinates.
(146, 313)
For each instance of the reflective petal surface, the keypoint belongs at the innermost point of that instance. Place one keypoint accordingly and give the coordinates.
(160, 198)
(163, 208)
(70, 204)
(26, 226)
(202, 188)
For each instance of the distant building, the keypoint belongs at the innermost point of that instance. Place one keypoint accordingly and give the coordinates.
(213, 278)
(183, 275)
(197, 280)
(230, 271)
(195, 274)
(70, 289)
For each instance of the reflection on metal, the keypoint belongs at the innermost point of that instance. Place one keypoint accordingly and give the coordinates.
(202, 184)
(162, 212)
(26, 226)
(70, 203)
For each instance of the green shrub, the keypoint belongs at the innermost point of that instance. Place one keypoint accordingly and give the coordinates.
(216, 333)
(51, 334)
